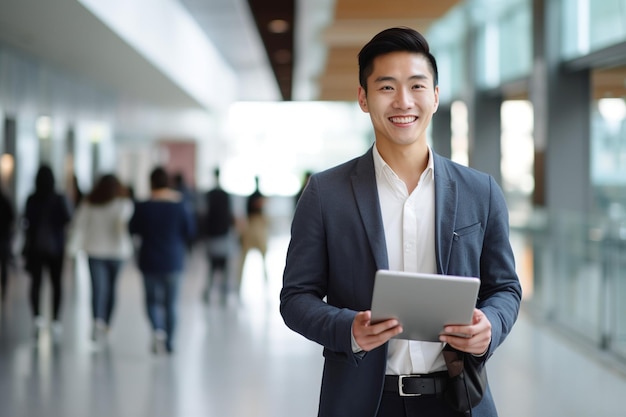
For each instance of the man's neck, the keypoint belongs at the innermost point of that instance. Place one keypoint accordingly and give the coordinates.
(407, 162)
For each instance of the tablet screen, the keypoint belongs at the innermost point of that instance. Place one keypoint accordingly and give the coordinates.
(423, 303)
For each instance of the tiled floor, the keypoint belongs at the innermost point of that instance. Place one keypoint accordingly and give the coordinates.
(240, 360)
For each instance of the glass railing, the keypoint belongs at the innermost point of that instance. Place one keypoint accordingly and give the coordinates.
(574, 275)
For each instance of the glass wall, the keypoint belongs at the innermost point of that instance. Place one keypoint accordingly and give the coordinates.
(504, 40)
(502, 32)
(580, 259)
(608, 231)
(590, 25)
(608, 157)
(518, 152)
(447, 38)
(459, 128)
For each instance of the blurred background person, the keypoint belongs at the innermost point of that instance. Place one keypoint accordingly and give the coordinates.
(219, 232)
(305, 182)
(255, 231)
(7, 221)
(188, 196)
(46, 216)
(75, 194)
(164, 226)
(100, 228)
(180, 184)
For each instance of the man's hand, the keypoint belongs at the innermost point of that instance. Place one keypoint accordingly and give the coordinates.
(473, 338)
(370, 336)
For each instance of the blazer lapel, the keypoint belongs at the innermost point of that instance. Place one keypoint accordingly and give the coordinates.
(445, 213)
(366, 195)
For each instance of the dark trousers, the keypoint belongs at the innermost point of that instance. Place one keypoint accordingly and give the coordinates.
(4, 274)
(36, 267)
(218, 264)
(392, 405)
(5, 258)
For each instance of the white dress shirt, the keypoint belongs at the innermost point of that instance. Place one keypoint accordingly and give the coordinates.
(409, 223)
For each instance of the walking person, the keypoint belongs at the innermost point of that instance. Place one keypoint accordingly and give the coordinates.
(255, 231)
(399, 206)
(100, 228)
(7, 223)
(188, 195)
(219, 231)
(164, 226)
(46, 216)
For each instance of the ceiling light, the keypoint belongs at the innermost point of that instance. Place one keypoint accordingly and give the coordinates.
(282, 56)
(278, 26)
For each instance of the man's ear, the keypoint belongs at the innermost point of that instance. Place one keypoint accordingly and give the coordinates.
(362, 97)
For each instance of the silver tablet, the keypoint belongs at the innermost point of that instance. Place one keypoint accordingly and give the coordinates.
(423, 303)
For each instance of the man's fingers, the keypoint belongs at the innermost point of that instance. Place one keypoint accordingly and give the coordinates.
(383, 326)
(363, 317)
(369, 336)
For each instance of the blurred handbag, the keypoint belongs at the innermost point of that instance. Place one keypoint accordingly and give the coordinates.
(467, 380)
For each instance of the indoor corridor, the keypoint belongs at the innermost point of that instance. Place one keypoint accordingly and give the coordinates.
(240, 360)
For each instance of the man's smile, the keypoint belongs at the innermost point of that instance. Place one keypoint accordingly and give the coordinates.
(403, 119)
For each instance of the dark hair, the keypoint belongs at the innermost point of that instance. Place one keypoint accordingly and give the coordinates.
(178, 180)
(44, 181)
(159, 178)
(106, 189)
(398, 39)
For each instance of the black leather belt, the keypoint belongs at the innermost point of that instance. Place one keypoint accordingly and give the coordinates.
(416, 385)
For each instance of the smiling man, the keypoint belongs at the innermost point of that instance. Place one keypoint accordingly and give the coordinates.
(400, 206)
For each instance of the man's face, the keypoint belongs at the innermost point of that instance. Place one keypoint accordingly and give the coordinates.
(401, 98)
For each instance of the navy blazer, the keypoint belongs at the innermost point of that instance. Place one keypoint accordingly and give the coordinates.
(338, 243)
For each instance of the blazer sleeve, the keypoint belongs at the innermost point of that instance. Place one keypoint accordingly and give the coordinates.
(307, 278)
(500, 294)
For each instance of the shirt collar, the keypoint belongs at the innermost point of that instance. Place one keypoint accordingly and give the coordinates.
(380, 166)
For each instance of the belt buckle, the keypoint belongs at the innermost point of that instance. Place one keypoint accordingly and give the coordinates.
(401, 386)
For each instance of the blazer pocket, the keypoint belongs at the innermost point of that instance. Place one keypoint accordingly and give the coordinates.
(464, 231)
(467, 243)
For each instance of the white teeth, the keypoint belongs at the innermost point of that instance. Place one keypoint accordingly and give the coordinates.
(405, 119)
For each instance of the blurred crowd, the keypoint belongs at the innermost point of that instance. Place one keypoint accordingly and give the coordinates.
(111, 227)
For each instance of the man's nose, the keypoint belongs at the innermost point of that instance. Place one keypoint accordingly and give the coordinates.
(404, 99)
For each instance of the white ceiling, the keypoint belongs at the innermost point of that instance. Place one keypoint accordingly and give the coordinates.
(63, 34)
(230, 26)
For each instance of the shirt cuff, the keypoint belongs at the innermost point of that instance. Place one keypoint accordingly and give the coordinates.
(355, 346)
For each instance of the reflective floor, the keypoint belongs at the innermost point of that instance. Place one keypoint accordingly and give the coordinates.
(239, 360)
